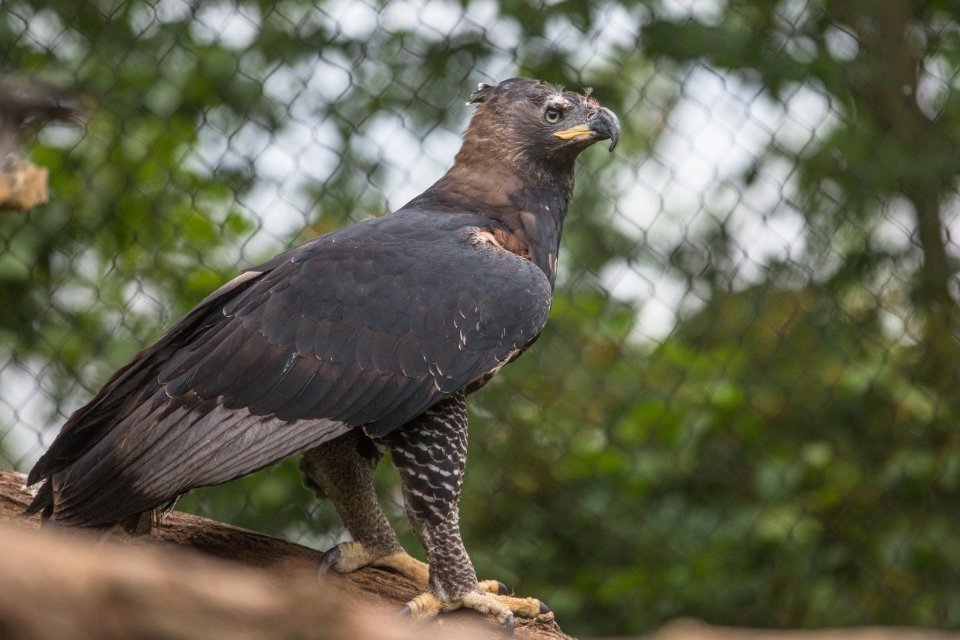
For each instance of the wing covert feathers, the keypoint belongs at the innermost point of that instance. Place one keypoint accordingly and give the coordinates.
(365, 327)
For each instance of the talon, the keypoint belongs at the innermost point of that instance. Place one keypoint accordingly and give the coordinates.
(404, 612)
(509, 625)
(544, 609)
(328, 561)
(494, 586)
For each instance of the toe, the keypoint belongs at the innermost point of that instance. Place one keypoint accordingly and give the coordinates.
(349, 556)
(406, 565)
(494, 586)
(492, 605)
(504, 608)
(427, 605)
(522, 607)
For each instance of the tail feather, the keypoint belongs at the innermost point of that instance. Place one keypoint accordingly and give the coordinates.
(135, 524)
(42, 502)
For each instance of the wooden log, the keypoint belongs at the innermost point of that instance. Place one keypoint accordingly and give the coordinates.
(197, 578)
(696, 630)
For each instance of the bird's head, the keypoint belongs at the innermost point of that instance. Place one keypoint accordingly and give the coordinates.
(533, 121)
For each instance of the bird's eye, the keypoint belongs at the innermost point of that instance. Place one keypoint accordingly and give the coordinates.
(552, 115)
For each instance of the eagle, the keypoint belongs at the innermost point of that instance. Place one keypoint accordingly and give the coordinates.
(365, 340)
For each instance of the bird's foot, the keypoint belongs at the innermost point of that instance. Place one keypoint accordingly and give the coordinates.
(349, 556)
(489, 599)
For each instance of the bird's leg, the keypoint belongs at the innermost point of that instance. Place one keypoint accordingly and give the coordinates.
(342, 470)
(430, 453)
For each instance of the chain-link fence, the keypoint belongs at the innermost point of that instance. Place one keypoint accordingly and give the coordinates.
(744, 406)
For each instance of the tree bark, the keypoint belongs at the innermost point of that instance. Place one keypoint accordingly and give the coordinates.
(196, 578)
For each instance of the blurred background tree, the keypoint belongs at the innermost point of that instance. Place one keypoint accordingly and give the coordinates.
(742, 406)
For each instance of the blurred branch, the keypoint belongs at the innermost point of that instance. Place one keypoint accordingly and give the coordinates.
(694, 630)
(23, 185)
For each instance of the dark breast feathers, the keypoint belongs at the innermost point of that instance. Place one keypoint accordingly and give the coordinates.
(364, 327)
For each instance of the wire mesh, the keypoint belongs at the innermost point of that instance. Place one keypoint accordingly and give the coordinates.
(743, 408)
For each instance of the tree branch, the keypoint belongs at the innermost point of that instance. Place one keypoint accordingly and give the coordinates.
(23, 185)
(197, 578)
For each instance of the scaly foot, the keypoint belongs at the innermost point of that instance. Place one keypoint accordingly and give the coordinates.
(490, 598)
(503, 607)
(349, 556)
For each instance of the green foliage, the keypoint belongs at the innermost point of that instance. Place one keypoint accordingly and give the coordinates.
(897, 123)
(786, 456)
(794, 475)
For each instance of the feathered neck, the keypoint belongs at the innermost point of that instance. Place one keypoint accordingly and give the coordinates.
(529, 205)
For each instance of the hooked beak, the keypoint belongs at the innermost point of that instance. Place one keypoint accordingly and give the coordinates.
(603, 126)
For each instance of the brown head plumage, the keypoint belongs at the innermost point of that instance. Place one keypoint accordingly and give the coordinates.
(533, 121)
